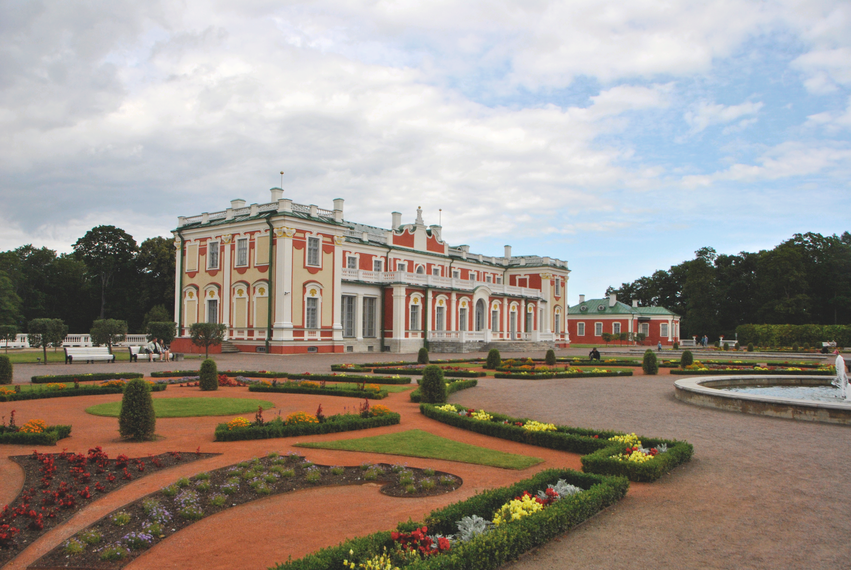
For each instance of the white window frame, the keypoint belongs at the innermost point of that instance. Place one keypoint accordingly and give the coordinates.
(349, 308)
(402, 266)
(456, 274)
(558, 287)
(420, 270)
(440, 318)
(462, 318)
(598, 329)
(435, 271)
(644, 328)
(663, 330)
(317, 318)
(580, 329)
(213, 246)
(414, 317)
(313, 247)
(495, 320)
(378, 265)
(488, 278)
(242, 247)
(616, 328)
(351, 262)
(369, 317)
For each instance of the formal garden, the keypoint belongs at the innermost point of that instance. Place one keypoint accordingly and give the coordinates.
(483, 486)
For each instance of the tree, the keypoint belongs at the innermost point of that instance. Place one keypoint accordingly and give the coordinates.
(8, 333)
(607, 337)
(494, 360)
(107, 252)
(108, 332)
(207, 335)
(422, 356)
(155, 265)
(164, 331)
(137, 419)
(46, 332)
(10, 302)
(649, 364)
(433, 386)
(157, 314)
(208, 376)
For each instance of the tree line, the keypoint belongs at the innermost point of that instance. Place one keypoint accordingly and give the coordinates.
(803, 280)
(108, 276)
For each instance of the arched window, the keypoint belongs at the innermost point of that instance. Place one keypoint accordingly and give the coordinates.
(420, 270)
(480, 315)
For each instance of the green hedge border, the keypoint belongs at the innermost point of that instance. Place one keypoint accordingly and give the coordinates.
(419, 372)
(70, 392)
(284, 388)
(575, 440)
(276, 429)
(549, 375)
(228, 373)
(750, 372)
(451, 388)
(47, 379)
(496, 547)
(48, 437)
(350, 378)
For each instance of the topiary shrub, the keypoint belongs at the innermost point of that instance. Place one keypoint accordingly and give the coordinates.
(649, 364)
(422, 356)
(676, 345)
(687, 359)
(726, 346)
(5, 369)
(494, 360)
(750, 347)
(209, 375)
(432, 386)
(795, 348)
(137, 419)
(550, 358)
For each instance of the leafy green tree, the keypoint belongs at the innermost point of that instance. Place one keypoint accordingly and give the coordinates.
(550, 358)
(108, 252)
(137, 419)
(108, 332)
(46, 332)
(607, 338)
(157, 314)
(207, 335)
(8, 333)
(155, 264)
(10, 302)
(164, 331)
(687, 359)
(494, 360)
(6, 370)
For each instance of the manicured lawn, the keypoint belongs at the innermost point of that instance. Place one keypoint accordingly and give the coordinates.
(418, 443)
(189, 407)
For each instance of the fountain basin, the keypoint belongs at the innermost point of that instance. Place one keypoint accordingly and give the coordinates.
(707, 391)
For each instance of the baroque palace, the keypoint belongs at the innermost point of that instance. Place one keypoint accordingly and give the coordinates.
(292, 278)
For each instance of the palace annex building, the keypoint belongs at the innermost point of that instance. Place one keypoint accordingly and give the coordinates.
(290, 278)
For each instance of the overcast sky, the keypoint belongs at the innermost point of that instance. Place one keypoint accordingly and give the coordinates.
(620, 136)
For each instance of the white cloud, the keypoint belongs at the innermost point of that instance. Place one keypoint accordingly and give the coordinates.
(706, 114)
(831, 120)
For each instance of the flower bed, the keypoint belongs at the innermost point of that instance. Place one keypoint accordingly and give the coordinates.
(57, 390)
(33, 432)
(597, 446)
(301, 423)
(570, 373)
(458, 536)
(350, 378)
(84, 377)
(350, 368)
(418, 371)
(452, 386)
(231, 373)
(58, 485)
(118, 538)
(318, 388)
(750, 370)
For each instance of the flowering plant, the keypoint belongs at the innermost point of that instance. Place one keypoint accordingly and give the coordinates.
(238, 422)
(533, 425)
(300, 418)
(34, 426)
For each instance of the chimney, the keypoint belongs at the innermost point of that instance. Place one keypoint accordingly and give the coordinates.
(397, 221)
(508, 252)
(613, 298)
(582, 298)
(277, 193)
(338, 209)
(238, 203)
(635, 302)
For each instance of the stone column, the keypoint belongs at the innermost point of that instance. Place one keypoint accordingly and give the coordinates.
(283, 326)
(337, 325)
(359, 317)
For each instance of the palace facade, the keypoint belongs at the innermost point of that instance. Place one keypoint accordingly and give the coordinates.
(292, 278)
(590, 319)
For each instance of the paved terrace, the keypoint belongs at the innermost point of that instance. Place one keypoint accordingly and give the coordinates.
(759, 493)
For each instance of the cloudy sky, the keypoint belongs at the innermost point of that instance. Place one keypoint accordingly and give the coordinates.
(620, 136)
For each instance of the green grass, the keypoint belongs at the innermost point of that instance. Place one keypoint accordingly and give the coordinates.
(189, 407)
(418, 443)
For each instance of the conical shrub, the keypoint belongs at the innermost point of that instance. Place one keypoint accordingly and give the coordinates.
(208, 377)
(649, 364)
(433, 386)
(137, 419)
(5, 369)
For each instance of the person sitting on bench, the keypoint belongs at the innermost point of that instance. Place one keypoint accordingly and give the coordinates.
(594, 354)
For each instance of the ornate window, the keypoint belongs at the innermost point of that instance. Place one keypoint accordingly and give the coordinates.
(369, 304)
(213, 255)
(313, 257)
(242, 252)
(349, 314)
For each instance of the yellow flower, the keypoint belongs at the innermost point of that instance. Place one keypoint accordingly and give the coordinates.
(533, 425)
(34, 426)
(238, 422)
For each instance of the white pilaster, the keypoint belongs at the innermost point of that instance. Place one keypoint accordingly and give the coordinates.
(338, 289)
(451, 324)
(226, 277)
(399, 312)
(283, 328)
(178, 286)
(359, 317)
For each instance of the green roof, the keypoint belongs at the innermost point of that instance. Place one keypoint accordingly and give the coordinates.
(600, 307)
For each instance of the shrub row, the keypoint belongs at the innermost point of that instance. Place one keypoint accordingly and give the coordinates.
(48, 437)
(751, 372)
(350, 378)
(789, 335)
(350, 368)
(496, 547)
(277, 428)
(228, 373)
(85, 377)
(451, 388)
(414, 363)
(574, 440)
(419, 371)
(70, 392)
(296, 388)
(548, 375)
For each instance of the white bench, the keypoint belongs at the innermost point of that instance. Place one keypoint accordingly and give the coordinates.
(88, 353)
(135, 351)
(690, 343)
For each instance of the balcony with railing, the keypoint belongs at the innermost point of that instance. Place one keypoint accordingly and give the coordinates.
(423, 280)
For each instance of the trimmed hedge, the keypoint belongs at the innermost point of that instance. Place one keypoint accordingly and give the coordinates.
(432, 385)
(277, 428)
(208, 376)
(451, 388)
(496, 547)
(549, 375)
(412, 363)
(751, 372)
(228, 373)
(419, 371)
(295, 388)
(86, 377)
(5, 369)
(48, 437)
(574, 440)
(70, 392)
(350, 378)
(350, 368)
(137, 419)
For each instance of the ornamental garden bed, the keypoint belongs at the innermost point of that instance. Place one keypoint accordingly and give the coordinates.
(518, 374)
(452, 386)
(604, 452)
(417, 370)
(33, 432)
(301, 423)
(59, 390)
(674, 363)
(57, 485)
(229, 373)
(118, 538)
(752, 371)
(372, 392)
(482, 532)
(47, 379)
(351, 378)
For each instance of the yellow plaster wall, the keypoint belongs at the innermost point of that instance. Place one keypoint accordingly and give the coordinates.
(324, 277)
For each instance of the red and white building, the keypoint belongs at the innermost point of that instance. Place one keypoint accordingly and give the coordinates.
(590, 319)
(292, 278)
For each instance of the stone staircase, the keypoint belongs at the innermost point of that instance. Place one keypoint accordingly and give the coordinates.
(228, 347)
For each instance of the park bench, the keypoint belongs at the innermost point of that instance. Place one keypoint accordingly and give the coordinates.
(87, 353)
(688, 343)
(135, 351)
